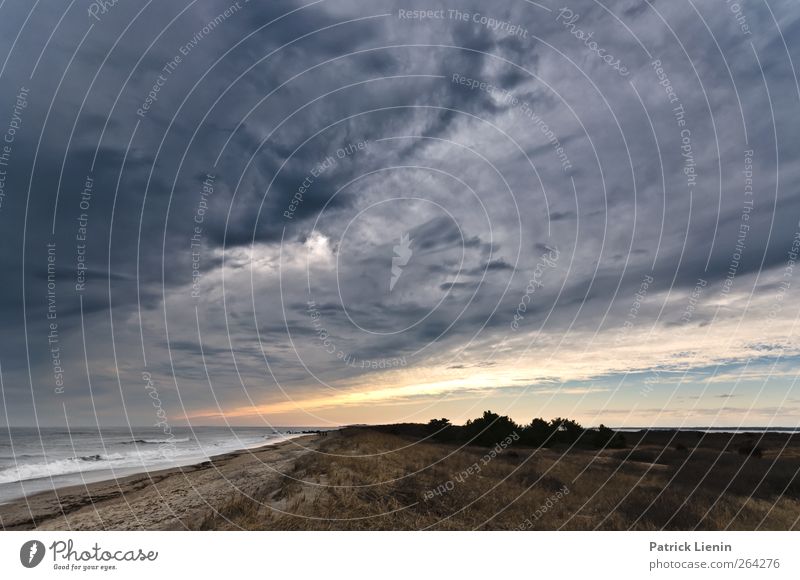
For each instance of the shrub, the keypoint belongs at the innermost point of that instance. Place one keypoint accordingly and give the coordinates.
(440, 428)
(603, 437)
(489, 429)
(751, 449)
(538, 433)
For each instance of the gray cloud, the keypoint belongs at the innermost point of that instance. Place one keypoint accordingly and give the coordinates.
(471, 176)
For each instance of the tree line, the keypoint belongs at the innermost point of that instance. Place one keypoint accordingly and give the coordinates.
(490, 428)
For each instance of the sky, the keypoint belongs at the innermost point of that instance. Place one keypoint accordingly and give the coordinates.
(341, 211)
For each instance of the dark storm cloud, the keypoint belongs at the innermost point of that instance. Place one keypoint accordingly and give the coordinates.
(472, 253)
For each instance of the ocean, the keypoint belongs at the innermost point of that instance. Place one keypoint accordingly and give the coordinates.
(34, 460)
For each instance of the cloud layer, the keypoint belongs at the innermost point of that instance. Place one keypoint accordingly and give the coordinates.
(344, 211)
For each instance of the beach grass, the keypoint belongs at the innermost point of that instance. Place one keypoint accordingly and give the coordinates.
(382, 478)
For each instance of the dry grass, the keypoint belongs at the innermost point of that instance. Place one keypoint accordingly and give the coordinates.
(365, 479)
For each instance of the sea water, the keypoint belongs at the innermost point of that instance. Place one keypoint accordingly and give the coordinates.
(39, 459)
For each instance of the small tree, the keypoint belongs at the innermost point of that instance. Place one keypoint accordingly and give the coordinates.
(438, 424)
(538, 433)
(566, 430)
(489, 429)
(605, 437)
(440, 428)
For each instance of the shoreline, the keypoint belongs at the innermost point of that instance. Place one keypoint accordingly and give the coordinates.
(393, 477)
(82, 478)
(172, 498)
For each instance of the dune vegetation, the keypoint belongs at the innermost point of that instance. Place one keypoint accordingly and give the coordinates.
(494, 474)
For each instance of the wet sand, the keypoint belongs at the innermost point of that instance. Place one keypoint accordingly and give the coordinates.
(170, 499)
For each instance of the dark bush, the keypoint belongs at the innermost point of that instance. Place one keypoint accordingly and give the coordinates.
(603, 437)
(537, 434)
(441, 429)
(489, 429)
(751, 449)
(566, 430)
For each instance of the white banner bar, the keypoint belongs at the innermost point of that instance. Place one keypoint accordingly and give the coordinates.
(401, 555)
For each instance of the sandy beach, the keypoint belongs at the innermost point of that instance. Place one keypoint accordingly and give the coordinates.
(393, 478)
(169, 499)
